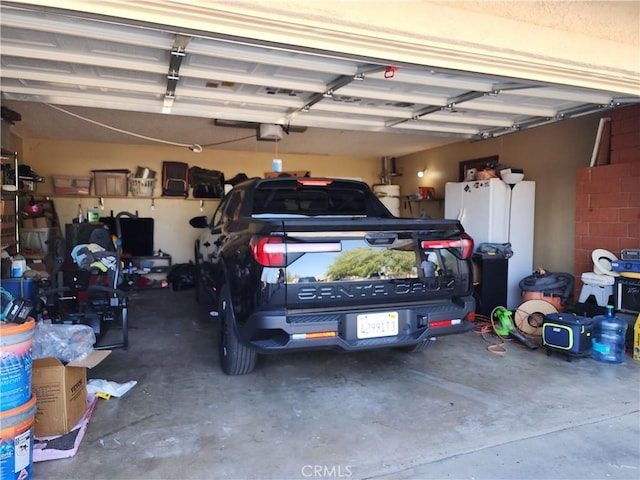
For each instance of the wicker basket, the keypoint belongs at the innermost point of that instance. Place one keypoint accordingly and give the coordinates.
(141, 187)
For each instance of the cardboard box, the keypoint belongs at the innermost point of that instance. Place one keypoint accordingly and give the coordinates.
(53, 447)
(61, 392)
(38, 222)
(8, 218)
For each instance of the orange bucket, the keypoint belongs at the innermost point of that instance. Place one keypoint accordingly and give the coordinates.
(16, 441)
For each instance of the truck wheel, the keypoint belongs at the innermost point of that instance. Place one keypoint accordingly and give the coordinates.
(235, 358)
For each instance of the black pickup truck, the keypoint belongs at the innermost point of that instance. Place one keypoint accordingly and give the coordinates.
(318, 263)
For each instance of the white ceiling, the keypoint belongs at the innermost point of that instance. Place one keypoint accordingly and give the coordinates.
(81, 77)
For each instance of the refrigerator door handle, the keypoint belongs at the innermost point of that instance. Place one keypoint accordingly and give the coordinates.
(460, 216)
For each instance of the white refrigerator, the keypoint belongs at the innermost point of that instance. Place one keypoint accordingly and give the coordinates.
(493, 212)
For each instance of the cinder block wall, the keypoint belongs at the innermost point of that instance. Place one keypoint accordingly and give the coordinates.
(608, 196)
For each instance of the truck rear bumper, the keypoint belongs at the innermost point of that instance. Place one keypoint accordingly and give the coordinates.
(350, 330)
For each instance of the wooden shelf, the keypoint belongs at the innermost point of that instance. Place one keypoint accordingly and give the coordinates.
(127, 197)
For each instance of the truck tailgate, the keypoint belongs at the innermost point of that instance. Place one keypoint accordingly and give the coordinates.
(330, 263)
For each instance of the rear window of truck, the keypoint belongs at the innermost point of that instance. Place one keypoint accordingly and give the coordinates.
(309, 200)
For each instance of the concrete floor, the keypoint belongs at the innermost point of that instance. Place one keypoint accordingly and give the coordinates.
(454, 411)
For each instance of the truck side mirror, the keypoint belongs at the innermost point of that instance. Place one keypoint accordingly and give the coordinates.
(199, 222)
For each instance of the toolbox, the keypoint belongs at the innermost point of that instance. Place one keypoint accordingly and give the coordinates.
(567, 333)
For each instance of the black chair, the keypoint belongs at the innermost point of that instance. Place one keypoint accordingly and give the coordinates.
(90, 293)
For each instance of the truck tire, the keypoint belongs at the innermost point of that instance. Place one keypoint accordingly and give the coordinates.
(235, 358)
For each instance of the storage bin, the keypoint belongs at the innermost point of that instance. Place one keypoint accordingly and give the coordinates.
(20, 287)
(111, 182)
(69, 185)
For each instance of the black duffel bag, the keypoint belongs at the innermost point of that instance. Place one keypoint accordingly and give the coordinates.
(206, 183)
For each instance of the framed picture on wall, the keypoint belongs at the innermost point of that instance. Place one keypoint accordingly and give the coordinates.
(479, 164)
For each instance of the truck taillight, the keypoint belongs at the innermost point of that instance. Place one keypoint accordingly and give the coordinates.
(272, 251)
(314, 182)
(464, 245)
(269, 251)
(445, 323)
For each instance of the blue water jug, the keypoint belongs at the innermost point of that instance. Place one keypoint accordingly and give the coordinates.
(608, 340)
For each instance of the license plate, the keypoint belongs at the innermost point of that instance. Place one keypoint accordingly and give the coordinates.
(372, 325)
